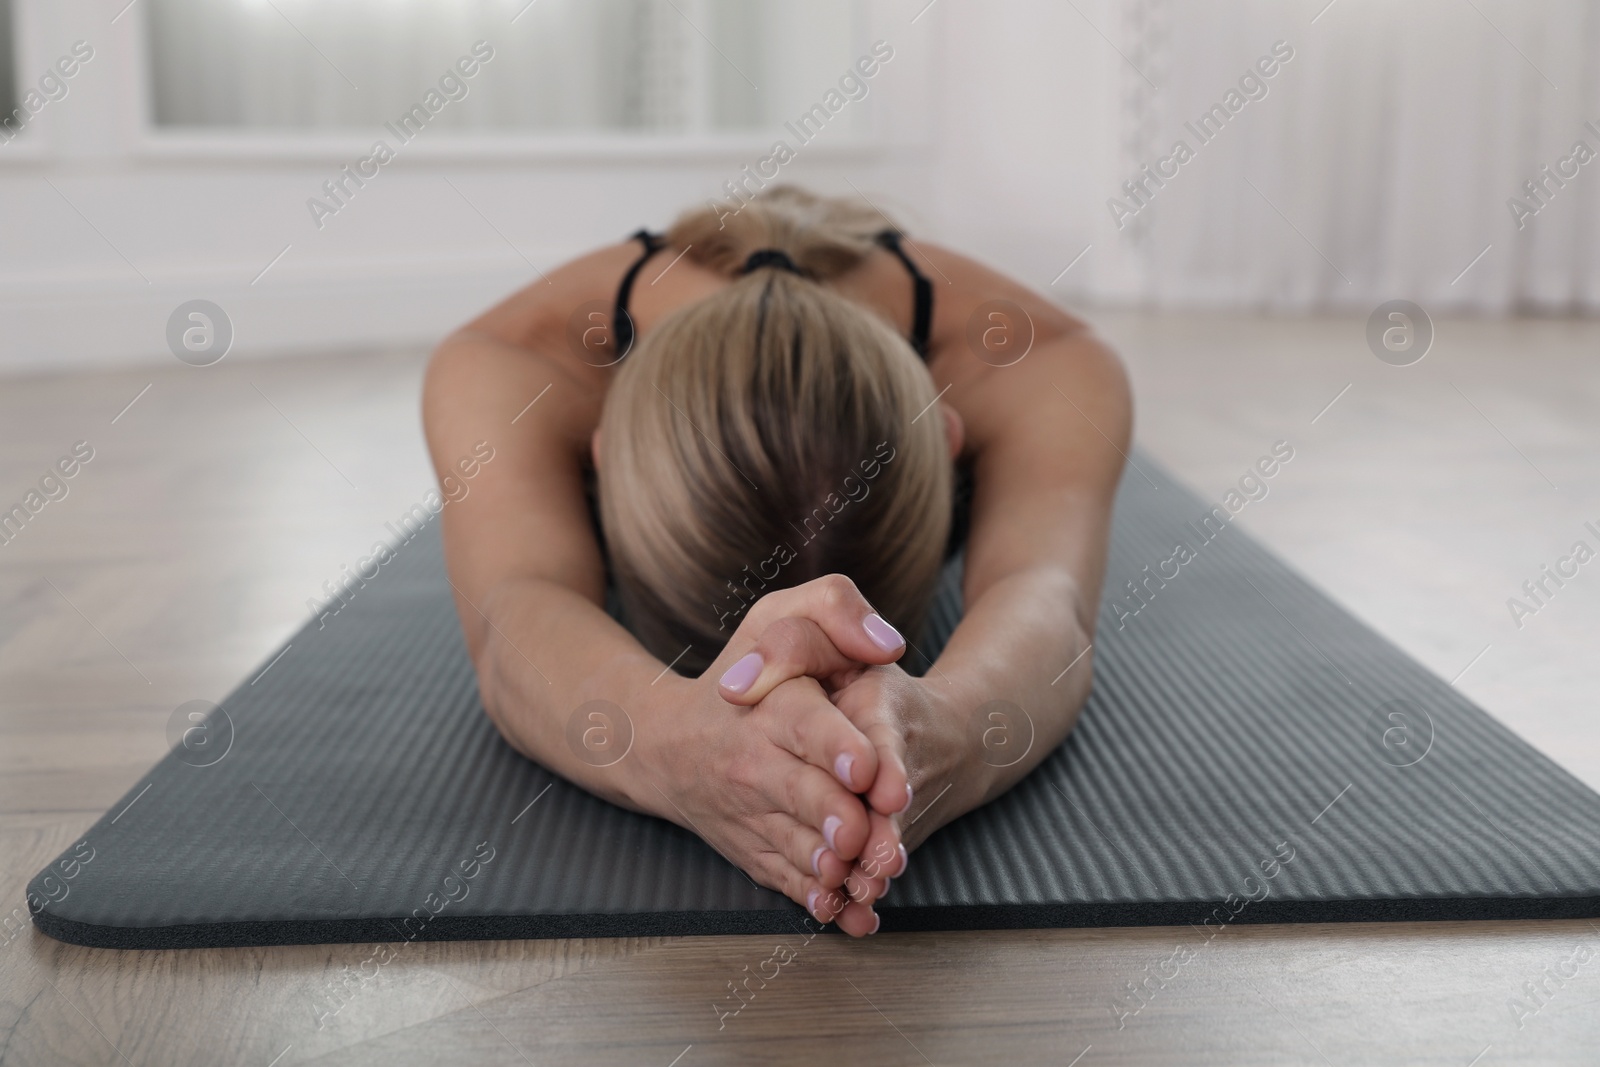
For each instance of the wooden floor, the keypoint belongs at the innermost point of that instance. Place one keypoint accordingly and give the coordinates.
(221, 499)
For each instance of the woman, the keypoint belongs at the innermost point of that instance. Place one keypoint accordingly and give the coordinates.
(776, 409)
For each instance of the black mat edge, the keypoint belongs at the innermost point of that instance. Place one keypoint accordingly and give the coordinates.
(787, 921)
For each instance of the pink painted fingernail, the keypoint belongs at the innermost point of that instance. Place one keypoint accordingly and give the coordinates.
(883, 635)
(830, 827)
(877, 921)
(816, 861)
(908, 798)
(886, 886)
(905, 860)
(842, 766)
(811, 904)
(742, 675)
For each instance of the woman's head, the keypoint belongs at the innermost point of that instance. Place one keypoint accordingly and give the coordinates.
(770, 434)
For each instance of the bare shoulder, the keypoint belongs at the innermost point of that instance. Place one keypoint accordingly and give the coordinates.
(538, 313)
(509, 353)
(963, 289)
(488, 372)
(1016, 365)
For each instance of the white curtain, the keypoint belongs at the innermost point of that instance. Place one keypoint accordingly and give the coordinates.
(1378, 164)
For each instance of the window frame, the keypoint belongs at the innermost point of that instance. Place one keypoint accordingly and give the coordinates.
(28, 45)
(156, 143)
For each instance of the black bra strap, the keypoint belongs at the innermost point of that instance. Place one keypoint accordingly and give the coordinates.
(922, 293)
(621, 321)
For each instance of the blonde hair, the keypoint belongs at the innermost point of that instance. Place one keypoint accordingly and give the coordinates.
(769, 434)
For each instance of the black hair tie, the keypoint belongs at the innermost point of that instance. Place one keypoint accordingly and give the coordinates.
(771, 257)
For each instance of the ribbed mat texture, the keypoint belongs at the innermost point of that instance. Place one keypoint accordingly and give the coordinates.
(1250, 753)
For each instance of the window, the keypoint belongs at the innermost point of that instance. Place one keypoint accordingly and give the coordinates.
(8, 64)
(669, 67)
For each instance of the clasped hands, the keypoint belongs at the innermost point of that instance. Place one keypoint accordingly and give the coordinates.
(790, 754)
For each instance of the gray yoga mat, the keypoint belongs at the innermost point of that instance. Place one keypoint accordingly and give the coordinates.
(1250, 753)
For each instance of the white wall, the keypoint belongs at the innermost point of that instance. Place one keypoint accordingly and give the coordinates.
(1027, 132)
(409, 258)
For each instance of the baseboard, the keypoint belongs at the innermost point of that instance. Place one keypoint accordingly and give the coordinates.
(105, 320)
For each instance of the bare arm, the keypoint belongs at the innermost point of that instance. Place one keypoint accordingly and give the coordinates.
(522, 558)
(1048, 437)
(1035, 561)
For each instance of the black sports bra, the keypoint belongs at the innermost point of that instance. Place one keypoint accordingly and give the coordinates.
(921, 291)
